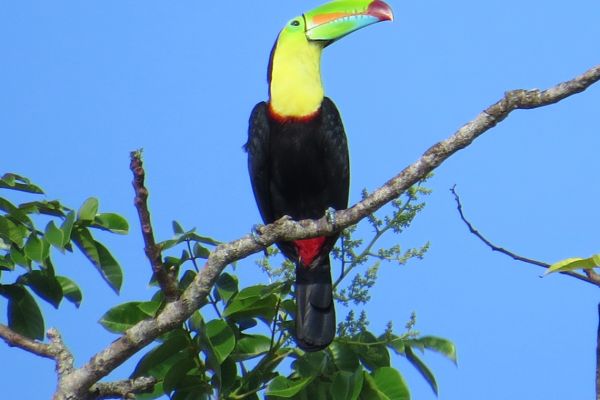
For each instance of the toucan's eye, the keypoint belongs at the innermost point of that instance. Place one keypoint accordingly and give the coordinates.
(295, 22)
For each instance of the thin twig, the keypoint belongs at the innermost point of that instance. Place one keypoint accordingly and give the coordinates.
(166, 279)
(507, 252)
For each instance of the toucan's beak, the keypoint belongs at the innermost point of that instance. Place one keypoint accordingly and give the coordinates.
(336, 19)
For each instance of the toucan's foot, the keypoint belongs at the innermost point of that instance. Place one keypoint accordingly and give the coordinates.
(255, 233)
(330, 215)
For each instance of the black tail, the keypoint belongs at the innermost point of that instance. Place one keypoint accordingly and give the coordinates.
(315, 313)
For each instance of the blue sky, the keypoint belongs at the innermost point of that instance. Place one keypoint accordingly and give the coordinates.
(84, 83)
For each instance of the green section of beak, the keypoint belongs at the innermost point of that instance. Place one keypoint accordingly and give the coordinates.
(336, 19)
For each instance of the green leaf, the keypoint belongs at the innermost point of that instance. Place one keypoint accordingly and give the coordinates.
(54, 236)
(6, 263)
(67, 227)
(311, 364)
(385, 383)
(17, 182)
(252, 302)
(187, 279)
(571, 264)
(158, 360)
(221, 337)
(228, 374)
(250, 346)
(111, 270)
(204, 239)
(34, 248)
(397, 344)
(212, 361)
(226, 286)
(343, 356)
(347, 385)
(52, 208)
(176, 374)
(284, 387)
(70, 290)
(122, 317)
(437, 344)
(100, 257)
(177, 228)
(422, 368)
(86, 243)
(112, 222)
(15, 213)
(88, 210)
(201, 251)
(24, 315)
(372, 356)
(45, 285)
(16, 233)
(18, 257)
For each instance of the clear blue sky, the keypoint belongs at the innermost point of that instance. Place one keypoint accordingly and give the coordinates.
(84, 83)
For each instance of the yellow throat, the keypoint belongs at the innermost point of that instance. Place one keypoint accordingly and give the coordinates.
(295, 86)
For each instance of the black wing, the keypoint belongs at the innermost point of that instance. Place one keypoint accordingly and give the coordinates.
(258, 159)
(335, 149)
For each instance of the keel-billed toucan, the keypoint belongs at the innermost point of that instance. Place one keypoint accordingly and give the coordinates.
(298, 156)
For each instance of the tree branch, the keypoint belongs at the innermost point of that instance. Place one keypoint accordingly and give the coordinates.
(166, 279)
(514, 256)
(61, 354)
(13, 339)
(122, 389)
(175, 313)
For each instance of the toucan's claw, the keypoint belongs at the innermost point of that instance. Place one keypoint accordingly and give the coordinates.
(330, 215)
(255, 233)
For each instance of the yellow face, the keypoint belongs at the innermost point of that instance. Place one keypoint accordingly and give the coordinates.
(296, 89)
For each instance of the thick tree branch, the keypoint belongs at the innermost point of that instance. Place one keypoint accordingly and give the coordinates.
(166, 279)
(13, 339)
(509, 253)
(175, 313)
(126, 389)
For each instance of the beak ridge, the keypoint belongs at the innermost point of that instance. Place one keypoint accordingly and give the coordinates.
(337, 19)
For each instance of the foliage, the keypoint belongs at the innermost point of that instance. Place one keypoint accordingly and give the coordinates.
(575, 263)
(25, 252)
(239, 345)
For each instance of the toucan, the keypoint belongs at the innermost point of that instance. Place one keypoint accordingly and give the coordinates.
(298, 153)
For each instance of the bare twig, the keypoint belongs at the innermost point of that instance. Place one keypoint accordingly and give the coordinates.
(126, 389)
(166, 279)
(13, 339)
(176, 312)
(512, 255)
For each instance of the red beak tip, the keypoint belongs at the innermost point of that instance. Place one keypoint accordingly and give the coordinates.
(381, 10)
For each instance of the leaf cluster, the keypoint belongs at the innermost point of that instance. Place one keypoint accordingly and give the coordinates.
(26, 266)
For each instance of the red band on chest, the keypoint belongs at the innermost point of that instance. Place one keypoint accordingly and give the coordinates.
(290, 118)
(308, 249)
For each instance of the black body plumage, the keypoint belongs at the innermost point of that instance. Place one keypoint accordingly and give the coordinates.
(300, 168)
